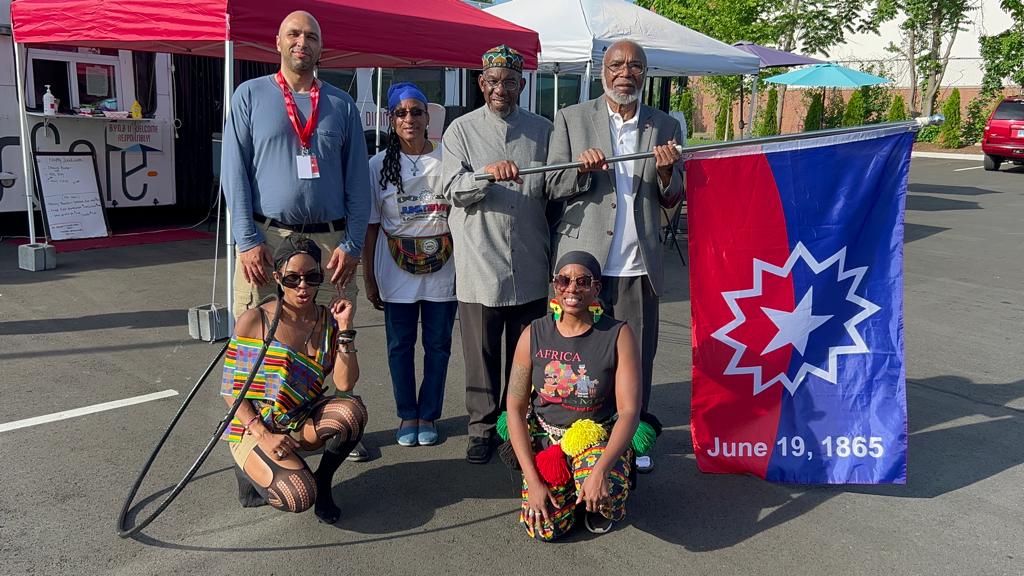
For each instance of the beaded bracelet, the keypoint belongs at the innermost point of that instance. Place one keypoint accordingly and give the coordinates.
(249, 423)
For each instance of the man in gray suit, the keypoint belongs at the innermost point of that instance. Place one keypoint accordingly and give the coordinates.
(614, 211)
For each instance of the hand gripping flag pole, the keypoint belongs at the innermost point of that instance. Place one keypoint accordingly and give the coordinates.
(911, 125)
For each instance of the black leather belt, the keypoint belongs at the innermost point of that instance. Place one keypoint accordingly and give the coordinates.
(318, 228)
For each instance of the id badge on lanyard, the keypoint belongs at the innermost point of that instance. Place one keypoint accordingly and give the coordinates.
(305, 161)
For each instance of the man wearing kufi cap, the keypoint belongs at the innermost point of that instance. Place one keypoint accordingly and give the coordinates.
(500, 234)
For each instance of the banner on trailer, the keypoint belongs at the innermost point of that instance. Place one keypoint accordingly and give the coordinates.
(796, 251)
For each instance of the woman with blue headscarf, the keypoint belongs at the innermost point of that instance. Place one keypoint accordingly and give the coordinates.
(411, 277)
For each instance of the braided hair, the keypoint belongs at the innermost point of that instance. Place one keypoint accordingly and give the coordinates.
(391, 171)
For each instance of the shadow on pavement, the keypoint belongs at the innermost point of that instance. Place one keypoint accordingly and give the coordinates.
(935, 204)
(141, 319)
(951, 190)
(961, 433)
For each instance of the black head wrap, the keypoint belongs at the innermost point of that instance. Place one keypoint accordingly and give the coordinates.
(584, 259)
(292, 245)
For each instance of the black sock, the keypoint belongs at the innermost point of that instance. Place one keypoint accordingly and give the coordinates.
(335, 452)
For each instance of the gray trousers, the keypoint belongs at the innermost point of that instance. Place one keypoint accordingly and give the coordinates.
(632, 300)
(482, 328)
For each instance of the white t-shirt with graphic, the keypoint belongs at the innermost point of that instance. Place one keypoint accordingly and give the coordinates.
(421, 211)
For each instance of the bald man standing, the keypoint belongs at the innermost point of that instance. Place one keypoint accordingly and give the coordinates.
(294, 162)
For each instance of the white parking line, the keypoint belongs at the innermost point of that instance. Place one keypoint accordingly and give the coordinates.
(65, 414)
(971, 168)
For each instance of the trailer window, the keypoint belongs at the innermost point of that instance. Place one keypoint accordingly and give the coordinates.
(54, 74)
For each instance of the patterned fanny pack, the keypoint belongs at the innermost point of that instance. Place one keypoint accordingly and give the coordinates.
(420, 255)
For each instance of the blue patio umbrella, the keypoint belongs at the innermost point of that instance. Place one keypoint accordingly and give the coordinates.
(827, 76)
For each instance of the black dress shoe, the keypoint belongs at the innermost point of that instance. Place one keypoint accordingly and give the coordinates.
(479, 450)
(359, 453)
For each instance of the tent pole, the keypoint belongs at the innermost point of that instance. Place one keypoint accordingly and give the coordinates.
(229, 239)
(753, 106)
(585, 89)
(28, 175)
(380, 96)
(554, 106)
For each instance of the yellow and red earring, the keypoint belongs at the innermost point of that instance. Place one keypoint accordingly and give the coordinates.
(597, 311)
(556, 309)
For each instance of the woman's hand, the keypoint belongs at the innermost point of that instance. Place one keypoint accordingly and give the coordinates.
(539, 495)
(594, 491)
(342, 310)
(277, 446)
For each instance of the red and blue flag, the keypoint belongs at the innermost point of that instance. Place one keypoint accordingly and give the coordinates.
(796, 280)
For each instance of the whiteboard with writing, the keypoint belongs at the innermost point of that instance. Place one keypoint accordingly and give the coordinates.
(71, 195)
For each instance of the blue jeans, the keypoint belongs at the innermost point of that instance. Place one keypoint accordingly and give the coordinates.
(400, 322)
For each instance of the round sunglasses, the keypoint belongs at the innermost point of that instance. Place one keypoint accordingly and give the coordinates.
(562, 281)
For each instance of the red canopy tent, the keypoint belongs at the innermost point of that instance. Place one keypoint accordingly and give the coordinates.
(356, 33)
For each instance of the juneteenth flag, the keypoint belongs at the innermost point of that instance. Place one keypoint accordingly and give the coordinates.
(796, 279)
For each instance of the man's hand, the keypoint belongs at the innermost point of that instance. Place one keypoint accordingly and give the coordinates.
(255, 261)
(503, 171)
(343, 266)
(665, 157)
(593, 160)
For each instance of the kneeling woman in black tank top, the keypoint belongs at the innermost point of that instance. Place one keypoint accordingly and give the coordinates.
(573, 406)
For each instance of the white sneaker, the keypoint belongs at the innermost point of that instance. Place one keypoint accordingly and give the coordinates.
(644, 464)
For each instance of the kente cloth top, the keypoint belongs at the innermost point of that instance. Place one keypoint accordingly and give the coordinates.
(287, 384)
(574, 377)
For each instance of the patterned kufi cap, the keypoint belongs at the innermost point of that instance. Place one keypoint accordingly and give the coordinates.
(503, 57)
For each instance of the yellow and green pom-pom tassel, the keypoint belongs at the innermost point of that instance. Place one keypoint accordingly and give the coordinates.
(502, 426)
(643, 438)
(582, 435)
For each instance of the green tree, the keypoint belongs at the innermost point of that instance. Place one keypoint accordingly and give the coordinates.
(978, 111)
(929, 29)
(723, 120)
(682, 101)
(835, 107)
(815, 113)
(1003, 54)
(877, 97)
(897, 109)
(949, 134)
(854, 115)
(767, 124)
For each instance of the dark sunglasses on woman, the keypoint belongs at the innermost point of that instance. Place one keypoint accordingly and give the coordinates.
(402, 112)
(292, 279)
(562, 282)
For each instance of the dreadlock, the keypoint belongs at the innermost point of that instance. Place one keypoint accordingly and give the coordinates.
(391, 172)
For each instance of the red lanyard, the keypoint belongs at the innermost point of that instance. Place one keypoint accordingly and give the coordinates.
(305, 134)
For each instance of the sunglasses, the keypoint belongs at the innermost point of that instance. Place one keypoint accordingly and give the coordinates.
(293, 279)
(562, 282)
(402, 112)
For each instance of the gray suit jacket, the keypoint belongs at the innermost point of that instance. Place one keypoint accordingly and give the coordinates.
(588, 220)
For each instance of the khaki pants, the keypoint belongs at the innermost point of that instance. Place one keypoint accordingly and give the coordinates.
(248, 296)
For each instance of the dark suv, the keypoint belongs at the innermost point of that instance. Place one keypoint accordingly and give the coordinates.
(1004, 134)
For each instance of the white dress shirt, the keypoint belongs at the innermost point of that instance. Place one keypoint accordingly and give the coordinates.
(624, 256)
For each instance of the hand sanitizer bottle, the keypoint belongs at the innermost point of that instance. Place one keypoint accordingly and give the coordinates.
(49, 103)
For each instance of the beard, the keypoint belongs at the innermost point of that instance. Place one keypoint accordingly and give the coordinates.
(620, 99)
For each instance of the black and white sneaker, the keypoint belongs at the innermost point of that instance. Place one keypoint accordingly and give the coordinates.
(596, 523)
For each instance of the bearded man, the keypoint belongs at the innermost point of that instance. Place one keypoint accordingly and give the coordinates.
(613, 211)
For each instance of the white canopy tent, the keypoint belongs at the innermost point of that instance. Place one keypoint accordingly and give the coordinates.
(574, 33)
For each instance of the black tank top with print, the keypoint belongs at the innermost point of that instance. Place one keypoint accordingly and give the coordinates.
(574, 378)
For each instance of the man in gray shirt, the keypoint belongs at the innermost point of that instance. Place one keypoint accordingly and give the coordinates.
(500, 235)
(294, 161)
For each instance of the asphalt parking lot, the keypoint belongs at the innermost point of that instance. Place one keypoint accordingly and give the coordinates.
(110, 324)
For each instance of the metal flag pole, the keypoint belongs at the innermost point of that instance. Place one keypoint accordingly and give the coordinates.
(910, 125)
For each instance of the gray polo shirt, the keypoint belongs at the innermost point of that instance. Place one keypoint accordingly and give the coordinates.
(500, 230)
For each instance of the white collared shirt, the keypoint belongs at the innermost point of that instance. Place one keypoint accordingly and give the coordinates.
(624, 257)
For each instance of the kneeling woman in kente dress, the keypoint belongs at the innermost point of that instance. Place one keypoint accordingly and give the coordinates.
(573, 408)
(289, 408)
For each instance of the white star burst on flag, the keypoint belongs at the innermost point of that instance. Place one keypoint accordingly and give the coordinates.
(795, 326)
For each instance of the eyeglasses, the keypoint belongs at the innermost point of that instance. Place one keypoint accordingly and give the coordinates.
(509, 85)
(293, 279)
(562, 281)
(402, 112)
(635, 68)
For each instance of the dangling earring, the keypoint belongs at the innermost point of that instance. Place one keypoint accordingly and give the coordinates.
(556, 309)
(596, 310)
